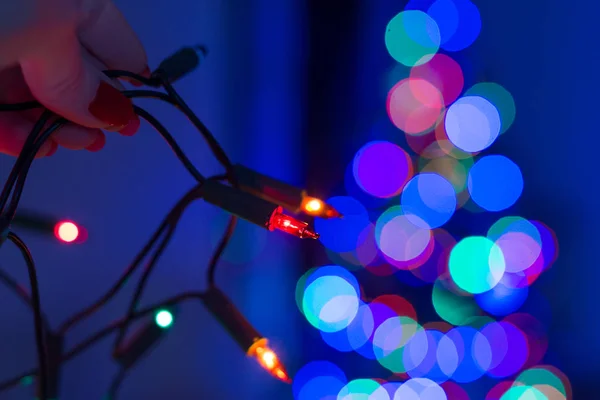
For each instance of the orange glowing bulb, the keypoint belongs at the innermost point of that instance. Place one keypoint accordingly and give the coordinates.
(312, 205)
(317, 208)
(268, 360)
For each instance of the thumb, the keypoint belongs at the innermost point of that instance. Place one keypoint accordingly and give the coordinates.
(62, 80)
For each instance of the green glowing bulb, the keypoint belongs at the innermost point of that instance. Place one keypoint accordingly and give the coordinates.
(164, 319)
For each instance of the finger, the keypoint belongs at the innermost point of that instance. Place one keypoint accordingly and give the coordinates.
(14, 130)
(75, 137)
(100, 66)
(109, 37)
(66, 83)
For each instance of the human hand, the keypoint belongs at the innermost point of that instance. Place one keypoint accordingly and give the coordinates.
(54, 51)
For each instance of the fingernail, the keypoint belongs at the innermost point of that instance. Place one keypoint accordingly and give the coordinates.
(98, 144)
(53, 149)
(131, 128)
(111, 107)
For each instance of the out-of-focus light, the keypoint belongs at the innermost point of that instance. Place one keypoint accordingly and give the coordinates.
(523, 393)
(502, 299)
(414, 106)
(430, 198)
(472, 123)
(314, 274)
(476, 264)
(454, 391)
(437, 264)
(404, 244)
(342, 234)
(164, 318)
(508, 345)
(459, 21)
(412, 38)
(548, 380)
(535, 332)
(389, 340)
(444, 73)
(66, 231)
(356, 334)
(381, 169)
(363, 389)
(474, 353)
(420, 388)
(268, 360)
(330, 303)
(452, 307)
(500, 98)
(318, 380)
(495, 183)
(454, 171)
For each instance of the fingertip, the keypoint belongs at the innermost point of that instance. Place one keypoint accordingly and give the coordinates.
(131, 128)
(48, 148)
(53, 148)
(98, 144)
(111, 107)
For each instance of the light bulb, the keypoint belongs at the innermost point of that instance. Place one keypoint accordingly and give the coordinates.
(267, 359)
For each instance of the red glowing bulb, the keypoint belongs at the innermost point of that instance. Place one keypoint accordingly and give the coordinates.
(290, 225)
(66, 231)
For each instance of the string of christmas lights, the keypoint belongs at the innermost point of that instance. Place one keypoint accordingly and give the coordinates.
(242, 192)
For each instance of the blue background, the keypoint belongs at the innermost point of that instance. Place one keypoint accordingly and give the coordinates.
(293, 88)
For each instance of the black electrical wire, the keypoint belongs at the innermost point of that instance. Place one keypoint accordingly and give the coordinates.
(104, 332)
(90, 310)
(171, 142)
(20, 184)
(218, 253)
(37, 314)
(22, 294)
(14, 173)
(15, 185)
(116, 383)
(142, 284)
(214, 145)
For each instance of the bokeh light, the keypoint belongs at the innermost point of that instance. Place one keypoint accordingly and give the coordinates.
(472, 123)
(414, 105)
(404, 244)
(509, 348)
(495, 183)
(502, 299)
(318, 380)
(330, 303)
(412, 38)
(403, 187)
(382, 169)
(428, 198)
(476, 264)
(444, 73)
(453, 307)
(500, 98)
(419, 389)
(341, 234)
(363, 389)
(458, 21)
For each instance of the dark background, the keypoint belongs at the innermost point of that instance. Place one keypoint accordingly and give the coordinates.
(293, 88)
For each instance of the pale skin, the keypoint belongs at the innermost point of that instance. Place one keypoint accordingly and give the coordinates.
(54, 51)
